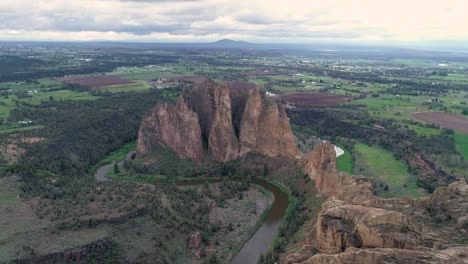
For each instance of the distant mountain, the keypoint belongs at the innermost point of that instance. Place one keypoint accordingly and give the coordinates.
(229, 43)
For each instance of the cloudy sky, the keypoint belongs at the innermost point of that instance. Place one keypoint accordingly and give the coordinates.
(288, 21)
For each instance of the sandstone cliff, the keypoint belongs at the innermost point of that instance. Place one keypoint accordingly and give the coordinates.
(172, 126)
(355, 226)
(265, 128)
(230, 123)
(320, 165)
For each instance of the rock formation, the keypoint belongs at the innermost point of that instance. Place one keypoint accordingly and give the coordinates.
(355, 226)
(230, 123)
(194, 240)
(265, 128)
(320, 165)
(172, 126)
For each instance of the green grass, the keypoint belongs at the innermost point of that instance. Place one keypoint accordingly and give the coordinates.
(117, 155)
(60, 95)
(141, 86)
(345, 161)
(5, 197)
(461, 140)
(377, 162)
(18, 129)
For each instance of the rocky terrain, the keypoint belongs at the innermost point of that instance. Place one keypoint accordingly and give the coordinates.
(213, 122)
(228, 122)
(355, 226)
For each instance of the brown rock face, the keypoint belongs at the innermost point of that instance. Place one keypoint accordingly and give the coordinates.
(388, 256)
(194, 240)
(355, 226)
(213, 106)
(172, 126)
(204, 113)
(265, 128)
(342, 225)
(320, 165)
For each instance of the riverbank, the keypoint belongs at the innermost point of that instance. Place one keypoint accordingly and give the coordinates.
(260, 237)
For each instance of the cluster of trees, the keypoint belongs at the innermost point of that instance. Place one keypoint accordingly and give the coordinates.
(78, 134)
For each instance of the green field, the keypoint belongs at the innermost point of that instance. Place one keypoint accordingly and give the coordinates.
(345, 161)
(461, 139)
(141, 86)
(117, 155)
(60, 95)
(377, 162)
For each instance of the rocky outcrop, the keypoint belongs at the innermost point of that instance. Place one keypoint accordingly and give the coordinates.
(194, 240)
(172, 126)
(265, 128)
(341, 225)
(230, 123)
(320, 165)
(356, 226)
(212, 104)
(386, 255)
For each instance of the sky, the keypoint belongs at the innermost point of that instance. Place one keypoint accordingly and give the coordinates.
(263, 21)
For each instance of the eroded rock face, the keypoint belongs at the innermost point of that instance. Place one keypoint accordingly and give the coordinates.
(265, 128)
(172, 126)
(194, 240)
(355, 226)
(320, 165)
(205, 113)
(388, 256)
(341, 225)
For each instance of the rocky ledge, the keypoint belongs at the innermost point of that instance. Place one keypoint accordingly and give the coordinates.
(355, 226)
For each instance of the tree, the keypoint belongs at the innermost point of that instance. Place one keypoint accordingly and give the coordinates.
(116, 168)
(213, 259)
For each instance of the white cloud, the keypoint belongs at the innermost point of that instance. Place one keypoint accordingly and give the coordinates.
(257, 20)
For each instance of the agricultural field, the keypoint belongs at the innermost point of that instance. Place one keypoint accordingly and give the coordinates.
(314, 98)
(377, 162)
(461, 139)
(98, 81)
(446, 120)
(345, 161)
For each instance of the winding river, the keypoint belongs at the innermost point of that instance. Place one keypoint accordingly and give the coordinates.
(262, 238)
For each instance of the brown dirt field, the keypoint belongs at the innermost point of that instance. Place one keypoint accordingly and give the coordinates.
(98, 81)
(239, 86)
(193, 79)
(314, 98)
(446, 120)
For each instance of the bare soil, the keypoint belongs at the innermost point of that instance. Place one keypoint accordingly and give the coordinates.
(98, 81)
(239, 86)
(193, 79)
(446, 120)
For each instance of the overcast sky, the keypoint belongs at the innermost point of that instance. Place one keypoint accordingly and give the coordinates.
(270, 21)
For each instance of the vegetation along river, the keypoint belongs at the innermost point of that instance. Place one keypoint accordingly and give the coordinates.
(262, 238)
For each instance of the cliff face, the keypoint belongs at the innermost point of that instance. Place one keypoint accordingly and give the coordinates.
(355, 226)
(204, 113)
(172, 126)
(265, 128)
(320, 165)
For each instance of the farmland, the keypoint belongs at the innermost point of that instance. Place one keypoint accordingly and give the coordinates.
(446, 120)
(376, 162)
(98, 81)
(314, 98)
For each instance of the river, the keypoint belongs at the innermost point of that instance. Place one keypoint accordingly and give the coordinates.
(262, 238)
